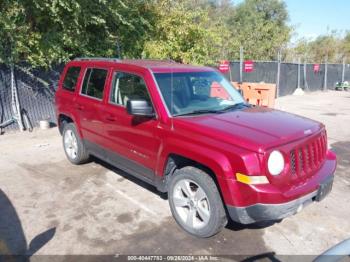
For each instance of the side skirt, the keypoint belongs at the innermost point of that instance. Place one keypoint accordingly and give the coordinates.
(131, 167)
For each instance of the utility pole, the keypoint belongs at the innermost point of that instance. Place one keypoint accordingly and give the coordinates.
(299, 61)
(229, 67)
(343, 71)
(279, 58)
(241, 64)
(306, 86)
(325, 74)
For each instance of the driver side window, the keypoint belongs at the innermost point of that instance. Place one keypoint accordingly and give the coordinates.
(127, 86)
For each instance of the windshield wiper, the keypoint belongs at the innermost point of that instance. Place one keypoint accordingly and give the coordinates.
(235, 106)
(212, 111)
(199, 112)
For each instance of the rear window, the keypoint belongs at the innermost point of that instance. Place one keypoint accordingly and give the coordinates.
(71, 78)
(94, 82)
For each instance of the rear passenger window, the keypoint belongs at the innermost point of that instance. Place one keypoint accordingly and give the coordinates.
(94, 82)
(71, 78)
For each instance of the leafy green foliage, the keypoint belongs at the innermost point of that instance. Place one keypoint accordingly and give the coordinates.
(181, 34)
(260, 26)
(46, 32)
(43, 32)
(345, 47)
(332, 48)
(206, 31)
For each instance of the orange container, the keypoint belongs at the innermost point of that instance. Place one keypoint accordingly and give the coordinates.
(218, 91)
(262, 94)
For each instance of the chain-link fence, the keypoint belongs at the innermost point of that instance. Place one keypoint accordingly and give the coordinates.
(36, 90)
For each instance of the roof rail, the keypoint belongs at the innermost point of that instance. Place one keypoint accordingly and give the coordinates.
(161, 60)
(97, 59)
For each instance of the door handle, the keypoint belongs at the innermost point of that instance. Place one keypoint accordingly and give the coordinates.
(110, 118)
(79, 107)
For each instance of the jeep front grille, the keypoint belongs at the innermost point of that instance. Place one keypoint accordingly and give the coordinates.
(309, 157)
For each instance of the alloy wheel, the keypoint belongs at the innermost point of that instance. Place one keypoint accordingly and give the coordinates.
(71, 144)
(191, 204)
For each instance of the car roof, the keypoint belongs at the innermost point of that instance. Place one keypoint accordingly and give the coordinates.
(156, 66)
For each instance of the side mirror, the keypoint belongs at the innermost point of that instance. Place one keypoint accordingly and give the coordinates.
(139, 107)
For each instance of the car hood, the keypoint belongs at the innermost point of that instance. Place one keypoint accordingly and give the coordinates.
(254, 128)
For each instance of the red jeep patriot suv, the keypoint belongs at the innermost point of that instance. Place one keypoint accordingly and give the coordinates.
(188, 132)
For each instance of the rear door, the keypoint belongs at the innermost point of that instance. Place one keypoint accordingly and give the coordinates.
(66, 94)
(89, 106)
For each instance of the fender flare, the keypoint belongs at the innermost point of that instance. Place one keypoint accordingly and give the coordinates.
(74, 119)
(215, 161)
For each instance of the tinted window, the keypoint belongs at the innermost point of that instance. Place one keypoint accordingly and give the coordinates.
(127, 86)
(94, 82)
(71, 78)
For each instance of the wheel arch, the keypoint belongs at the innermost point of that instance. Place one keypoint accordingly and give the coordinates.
(62, 120)
(67, 118)
(181, 153)
(177, 161)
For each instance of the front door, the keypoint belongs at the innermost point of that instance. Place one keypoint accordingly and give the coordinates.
(133, 140)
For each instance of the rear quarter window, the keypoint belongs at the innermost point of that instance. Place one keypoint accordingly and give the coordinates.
(71, 78)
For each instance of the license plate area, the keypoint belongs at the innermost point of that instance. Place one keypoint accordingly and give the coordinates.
(324, 189)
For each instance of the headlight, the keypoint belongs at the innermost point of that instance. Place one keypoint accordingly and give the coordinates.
(275, 163)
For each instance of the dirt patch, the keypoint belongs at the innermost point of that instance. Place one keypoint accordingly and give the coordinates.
(342, 149)
(124, 218)
(70, 180)
(334, 114)
(168, 238)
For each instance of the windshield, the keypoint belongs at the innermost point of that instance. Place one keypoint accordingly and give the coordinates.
(197, 92)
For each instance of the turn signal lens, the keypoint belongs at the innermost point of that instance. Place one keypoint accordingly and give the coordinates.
(251, 180)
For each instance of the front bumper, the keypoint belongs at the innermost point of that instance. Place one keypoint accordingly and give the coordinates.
(267, 212)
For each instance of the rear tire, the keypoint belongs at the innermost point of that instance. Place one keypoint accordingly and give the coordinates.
(74, 147)
(195, 202)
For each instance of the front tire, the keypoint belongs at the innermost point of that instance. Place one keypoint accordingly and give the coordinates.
(73, 146)
(195, 202)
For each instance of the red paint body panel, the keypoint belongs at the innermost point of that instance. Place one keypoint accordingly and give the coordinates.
(237, 141)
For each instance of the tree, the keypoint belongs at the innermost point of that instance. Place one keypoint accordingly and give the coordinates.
(182, 33)
(345, 47)
(325, 48)
(43, 32)
(14, 32)
(330, 47)
(46, 32)
(260, 26)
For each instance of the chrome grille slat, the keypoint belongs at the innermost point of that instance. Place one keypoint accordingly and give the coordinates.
(306, 159)
(300, 161)
(319, 150)
(293, 162)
